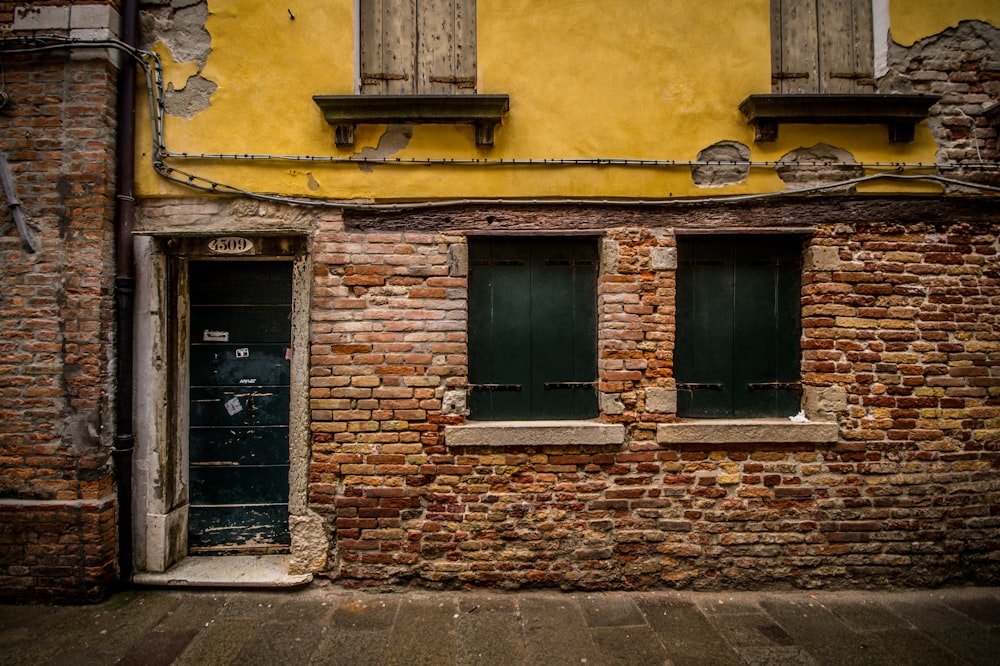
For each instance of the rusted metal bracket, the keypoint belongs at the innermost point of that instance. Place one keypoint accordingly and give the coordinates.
(28, 239)
(495, 387)
(775, 386)
(569, 385)
(699, 386)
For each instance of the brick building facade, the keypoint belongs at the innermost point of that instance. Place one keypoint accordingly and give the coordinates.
(57, 494)
(328, 356)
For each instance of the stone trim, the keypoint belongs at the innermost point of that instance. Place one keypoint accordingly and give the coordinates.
(742, 431)
(535, 433)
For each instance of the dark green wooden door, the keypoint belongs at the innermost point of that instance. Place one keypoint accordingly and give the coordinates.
(239, 395)
(738, 326)
(533, 328)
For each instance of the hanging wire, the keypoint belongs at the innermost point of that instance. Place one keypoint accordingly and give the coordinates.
(150, 63)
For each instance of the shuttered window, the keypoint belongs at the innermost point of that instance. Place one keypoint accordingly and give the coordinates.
(418, 47)
(822, 46)
(532, 328)
(738, 307)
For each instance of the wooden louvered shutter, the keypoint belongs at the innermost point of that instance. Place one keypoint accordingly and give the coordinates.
(822, 46)
(446, 38)
(388, 47)
(418, 47)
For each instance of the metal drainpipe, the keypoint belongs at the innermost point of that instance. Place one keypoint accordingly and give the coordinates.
(124, 443)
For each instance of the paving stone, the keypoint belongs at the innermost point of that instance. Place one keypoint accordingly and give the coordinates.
(192, 613)
(239, 605)
(777, 656)
(864, 616)
(157, 648)
(629, 645)
(423, 631)
(218, 643)
(104, 633)
(983, 606)
(750, 630)
(556, 630)
(489, 632)
(332, 627)
(821, 633)
(369, 614)
(351, 647)
(966, 639)
(911, 647)
(685, 632)
(610, 610)
(280, 643)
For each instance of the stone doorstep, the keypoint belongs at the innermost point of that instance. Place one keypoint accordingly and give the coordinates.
(247, 571)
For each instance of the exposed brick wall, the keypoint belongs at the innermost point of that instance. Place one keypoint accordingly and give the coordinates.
(961, 64)
(900, 320)
(56, 508)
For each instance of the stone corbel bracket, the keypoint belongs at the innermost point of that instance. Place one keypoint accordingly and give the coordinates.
(345, 112)
(899, 113)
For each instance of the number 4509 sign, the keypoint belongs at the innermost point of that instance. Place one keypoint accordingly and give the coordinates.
(230, 245)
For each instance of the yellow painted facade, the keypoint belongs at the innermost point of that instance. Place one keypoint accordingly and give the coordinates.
(587, 79)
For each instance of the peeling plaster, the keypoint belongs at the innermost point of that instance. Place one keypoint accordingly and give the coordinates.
(178, 27)
(817, 165)
(395, 139)
(720, 175)
(959, 64)
(190, 100)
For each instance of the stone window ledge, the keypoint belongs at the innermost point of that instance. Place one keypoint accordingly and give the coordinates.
(746, 431)
(535, 433)
(344, 112)
(898, 112)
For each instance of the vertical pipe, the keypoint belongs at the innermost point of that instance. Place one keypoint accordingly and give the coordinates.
(124, 442)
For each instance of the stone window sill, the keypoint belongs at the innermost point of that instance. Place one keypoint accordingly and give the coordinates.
(345, 112)
(898, 112)
(534, 433)
(746, 431)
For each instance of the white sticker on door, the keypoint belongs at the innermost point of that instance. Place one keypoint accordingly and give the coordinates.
(234, 406)
(243, 352)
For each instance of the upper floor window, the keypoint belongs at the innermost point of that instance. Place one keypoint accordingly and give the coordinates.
(425, 47)
(822, 46)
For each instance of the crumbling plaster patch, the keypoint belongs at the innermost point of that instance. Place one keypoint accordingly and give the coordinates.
(178, 26)
(821, 164)
(394, 139)
(726, 172)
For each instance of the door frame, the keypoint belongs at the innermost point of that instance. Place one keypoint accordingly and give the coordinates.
(162, 325)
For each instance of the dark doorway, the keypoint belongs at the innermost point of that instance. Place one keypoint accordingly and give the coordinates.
(239, 406)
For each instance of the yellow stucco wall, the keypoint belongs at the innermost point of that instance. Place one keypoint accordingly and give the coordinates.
(912, 20)
(651, 80)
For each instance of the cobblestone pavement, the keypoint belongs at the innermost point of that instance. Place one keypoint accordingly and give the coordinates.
(323, 624)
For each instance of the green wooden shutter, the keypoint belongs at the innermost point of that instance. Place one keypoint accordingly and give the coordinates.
(532, 328)
(703, 357)
(737, 350)
(767, 324)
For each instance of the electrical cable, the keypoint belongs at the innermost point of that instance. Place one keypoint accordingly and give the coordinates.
(151, 65)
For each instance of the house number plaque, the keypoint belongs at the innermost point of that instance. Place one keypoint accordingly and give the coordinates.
(230, 245)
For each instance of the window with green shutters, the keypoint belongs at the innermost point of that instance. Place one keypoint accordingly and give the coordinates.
(737, 351)
(532, 328)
